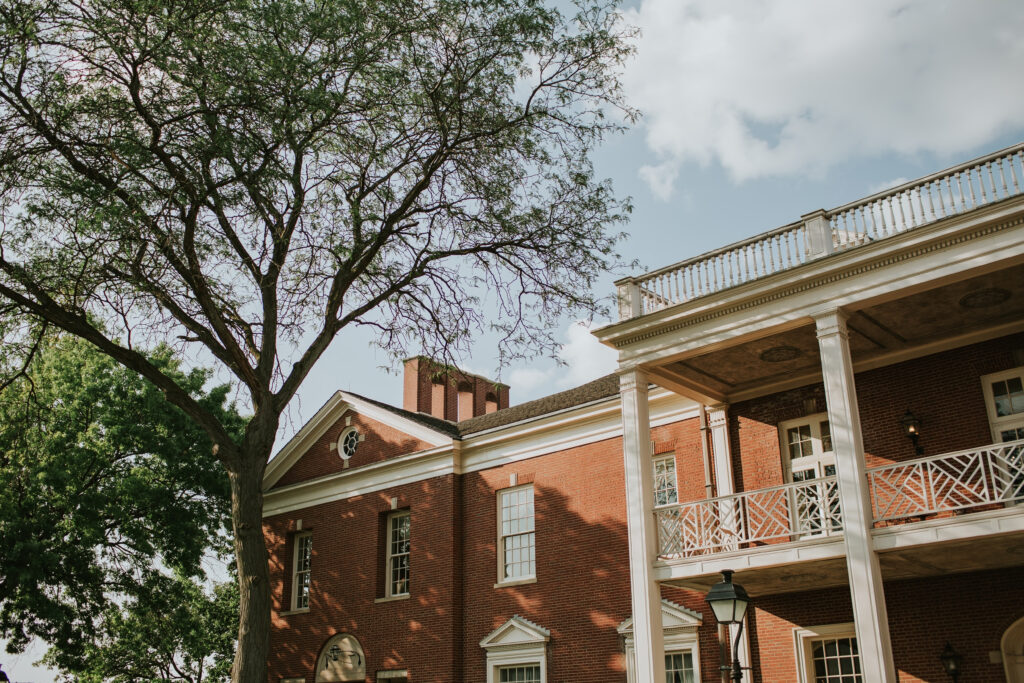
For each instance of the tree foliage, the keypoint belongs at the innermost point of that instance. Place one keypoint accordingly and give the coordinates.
(103, 483)
(170, 631)
(249, 178)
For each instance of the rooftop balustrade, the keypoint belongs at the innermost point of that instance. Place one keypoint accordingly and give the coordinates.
(941, 485)
(906, 207)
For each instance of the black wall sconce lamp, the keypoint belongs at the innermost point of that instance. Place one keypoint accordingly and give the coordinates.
(951, 661)
(912, 428)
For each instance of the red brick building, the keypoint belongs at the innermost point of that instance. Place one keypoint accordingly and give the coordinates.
(833, 410)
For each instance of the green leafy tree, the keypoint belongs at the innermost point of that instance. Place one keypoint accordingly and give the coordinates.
(170, 631)
(251, 178)
(103, 483)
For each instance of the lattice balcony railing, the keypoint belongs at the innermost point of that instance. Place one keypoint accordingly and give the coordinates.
(989, 476)
(956, 190)
(781, 513)
(948, 482)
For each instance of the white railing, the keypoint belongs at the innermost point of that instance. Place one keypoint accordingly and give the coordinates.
(948, 482)
(962, 188)
(781, 513)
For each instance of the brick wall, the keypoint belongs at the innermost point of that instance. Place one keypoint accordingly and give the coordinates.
(943, 390)
(971, 611)
(582, 589)
(421, 633)
(581, 593)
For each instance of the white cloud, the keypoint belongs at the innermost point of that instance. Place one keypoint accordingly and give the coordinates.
(583, 359)
(661, 179)
(791, 87)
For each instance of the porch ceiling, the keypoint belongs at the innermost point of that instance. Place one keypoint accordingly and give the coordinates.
(936, 559)
(881, 332)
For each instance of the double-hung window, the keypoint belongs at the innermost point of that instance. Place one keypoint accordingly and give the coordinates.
(398, 553)
(301, 570)
(516, 539)
(1004, 399)
(665, 487)
(828, 654)
(519, 674)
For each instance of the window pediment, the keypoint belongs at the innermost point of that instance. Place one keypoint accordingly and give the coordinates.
(673, 618)
(516, 632)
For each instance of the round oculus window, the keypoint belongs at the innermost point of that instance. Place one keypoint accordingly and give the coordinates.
(348, 443)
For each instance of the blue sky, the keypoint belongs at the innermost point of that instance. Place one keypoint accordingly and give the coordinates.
(754, 113)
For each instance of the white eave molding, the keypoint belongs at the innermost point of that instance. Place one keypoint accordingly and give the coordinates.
(332, 411)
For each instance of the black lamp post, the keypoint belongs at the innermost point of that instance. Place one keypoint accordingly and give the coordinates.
(951, 661)
(729, 602)
(912, 428)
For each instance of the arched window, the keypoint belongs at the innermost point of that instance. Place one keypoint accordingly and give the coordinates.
(490, 402)
(341, 659)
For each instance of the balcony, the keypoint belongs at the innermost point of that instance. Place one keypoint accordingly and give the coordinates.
(957, 190)
(938, 486)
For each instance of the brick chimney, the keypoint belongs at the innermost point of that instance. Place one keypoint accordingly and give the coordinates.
(448, 393)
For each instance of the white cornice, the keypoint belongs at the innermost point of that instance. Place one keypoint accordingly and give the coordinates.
(404, 469)
(332, 411)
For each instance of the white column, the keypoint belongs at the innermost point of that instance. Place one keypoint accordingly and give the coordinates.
(866, 589)
(643, 535)
(718, 422)
(725, 485)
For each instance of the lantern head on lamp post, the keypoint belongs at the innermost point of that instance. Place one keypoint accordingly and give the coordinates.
(729, 602)
(951, 660)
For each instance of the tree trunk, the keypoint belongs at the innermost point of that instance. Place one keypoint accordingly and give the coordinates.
(250, 664)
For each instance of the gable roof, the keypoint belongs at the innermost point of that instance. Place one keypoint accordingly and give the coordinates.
(603, 387)
(426, 420)
(424, 427)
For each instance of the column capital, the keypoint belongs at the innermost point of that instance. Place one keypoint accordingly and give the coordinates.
(631, 379)
(718, 414)
(831, 321)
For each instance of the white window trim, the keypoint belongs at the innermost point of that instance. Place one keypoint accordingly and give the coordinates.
(802, 638)
(675, 477)
(360, 437)
(388, 556)
(517, 642)
(392, 674)
(516, 580)
(996, 423)
(297, 540)
(679, 634)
